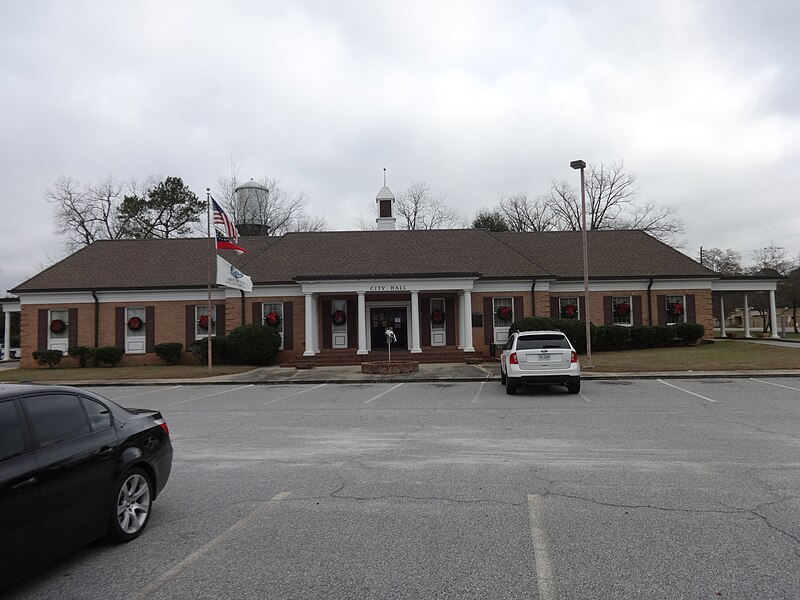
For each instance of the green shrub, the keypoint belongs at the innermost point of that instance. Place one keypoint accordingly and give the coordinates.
(617, 336)
(643, 336)
(219, 350)
(83, 354)
(48, 357)
(574, 329)
(109, 355)
(664, 334)
(689, 332)
(169, 352)
(253, 345)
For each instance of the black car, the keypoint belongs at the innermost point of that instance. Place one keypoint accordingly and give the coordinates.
(74, 467)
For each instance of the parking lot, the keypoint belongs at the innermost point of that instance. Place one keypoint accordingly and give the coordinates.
(680, 488)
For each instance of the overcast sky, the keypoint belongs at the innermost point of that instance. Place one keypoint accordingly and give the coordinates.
(700, 98)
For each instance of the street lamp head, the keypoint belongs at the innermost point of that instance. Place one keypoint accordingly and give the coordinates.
(577, 164)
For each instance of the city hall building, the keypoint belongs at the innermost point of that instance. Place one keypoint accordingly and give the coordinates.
(446, 294)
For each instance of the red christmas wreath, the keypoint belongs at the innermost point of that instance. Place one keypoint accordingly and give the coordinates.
(272, 319)
(675, 309)
(504, 313)
(57, 325)
(569, 311)
(339, 317)
(202, 322)
(437, 317)
(135, 323)
(622, 310)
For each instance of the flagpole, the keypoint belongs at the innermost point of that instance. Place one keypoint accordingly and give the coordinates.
(211, 249)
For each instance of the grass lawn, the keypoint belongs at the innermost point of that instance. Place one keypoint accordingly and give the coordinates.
(67, 374)
(718, 356)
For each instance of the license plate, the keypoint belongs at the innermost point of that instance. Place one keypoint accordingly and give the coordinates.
(545, 357)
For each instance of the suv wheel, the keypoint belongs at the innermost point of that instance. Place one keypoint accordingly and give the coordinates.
(574, 387)
(502, 377)
(511, 387)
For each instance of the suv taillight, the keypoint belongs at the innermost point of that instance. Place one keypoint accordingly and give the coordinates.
(512, 359)
(574, 357)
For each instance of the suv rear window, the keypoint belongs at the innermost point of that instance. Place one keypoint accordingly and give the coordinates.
(539, 342)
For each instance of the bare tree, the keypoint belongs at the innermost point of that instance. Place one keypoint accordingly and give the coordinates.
(724, 262)
(419, 209)
(612, 199)
(771, 261)
(274, 212)
(525, 214)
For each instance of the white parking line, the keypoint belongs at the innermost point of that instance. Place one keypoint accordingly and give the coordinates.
(775, 384)
(241, 387)
(295, 394)
(145, 393)
(198, 554)
(584, 397)
(687, 391)
(478, 393)
(545, 575)
(383, 394)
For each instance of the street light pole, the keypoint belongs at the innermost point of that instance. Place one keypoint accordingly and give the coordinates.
(579, 164)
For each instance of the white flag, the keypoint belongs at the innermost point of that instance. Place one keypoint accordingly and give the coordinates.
(230, 276)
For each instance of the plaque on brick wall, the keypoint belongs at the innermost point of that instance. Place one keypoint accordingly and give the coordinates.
(477, 320)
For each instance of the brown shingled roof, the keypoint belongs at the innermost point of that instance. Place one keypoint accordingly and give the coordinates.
(182, 263)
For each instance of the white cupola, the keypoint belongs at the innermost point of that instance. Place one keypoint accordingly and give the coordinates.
(385, 199)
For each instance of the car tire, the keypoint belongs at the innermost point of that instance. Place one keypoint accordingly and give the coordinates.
(574, 387)
(511, 387)
(502, 377)
(131, 504)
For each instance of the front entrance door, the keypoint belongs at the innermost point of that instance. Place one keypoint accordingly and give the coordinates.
(383, 317)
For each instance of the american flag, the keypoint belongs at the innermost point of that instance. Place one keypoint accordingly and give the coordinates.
(225, 224)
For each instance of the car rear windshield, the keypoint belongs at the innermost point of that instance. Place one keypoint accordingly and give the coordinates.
(540, 342)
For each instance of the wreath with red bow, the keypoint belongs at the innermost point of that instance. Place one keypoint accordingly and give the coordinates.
(622, 309)
(675, 309)
(202, 322)
(437, 317)
(57, 325)
(504, 313)
(272, 319)
(569, 311)
(135, 323)
(339, 317)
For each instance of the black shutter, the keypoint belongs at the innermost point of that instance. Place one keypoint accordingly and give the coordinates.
(637, 310)
(119, 326)
(327, 332)
(691, 310)
(661, 309)
(425, 321)
(488, 321)
(582, 307)
(258, 313)
(189, 325)
(519, 308)
(220, 310)
(288, 326)
(41, 334)
(72, 333)
(608, 310)
(555, 308)
(150, 329)
(352, 324)
(449, 321)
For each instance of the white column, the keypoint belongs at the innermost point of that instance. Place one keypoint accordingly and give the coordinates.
(773, 315)
(722, 315)
(315, 318)
(746, 318)
(460, 328)
(415, 347)
(7, 338)
(309, 318)
(468, 321)
(362, 324)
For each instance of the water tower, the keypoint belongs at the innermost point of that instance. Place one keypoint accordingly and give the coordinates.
(252, 201)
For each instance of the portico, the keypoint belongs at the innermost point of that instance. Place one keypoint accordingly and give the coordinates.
(367, 306)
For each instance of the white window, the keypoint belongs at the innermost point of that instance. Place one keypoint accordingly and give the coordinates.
(203, 325)
(134, 330)
(622, 309)
(569, 308)
(503, 316)
(58, 330)
(272, 315)
(438, 316)
(676, 309)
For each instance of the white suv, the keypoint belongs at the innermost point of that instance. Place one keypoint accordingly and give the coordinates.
(539, 358)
